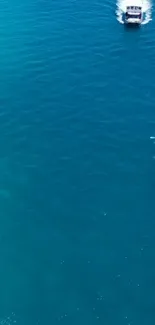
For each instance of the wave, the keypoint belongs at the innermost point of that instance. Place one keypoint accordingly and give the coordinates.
(10, 320)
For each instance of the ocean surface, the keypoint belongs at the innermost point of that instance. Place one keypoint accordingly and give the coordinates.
(77, 167)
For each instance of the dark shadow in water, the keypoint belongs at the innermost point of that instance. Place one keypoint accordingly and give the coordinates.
(132, 27)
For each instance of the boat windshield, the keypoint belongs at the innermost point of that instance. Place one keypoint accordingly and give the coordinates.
(137, 16)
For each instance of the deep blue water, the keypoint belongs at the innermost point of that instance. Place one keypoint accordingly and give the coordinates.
(77, 174)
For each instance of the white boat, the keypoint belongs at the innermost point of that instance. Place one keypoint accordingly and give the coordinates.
(134, 12)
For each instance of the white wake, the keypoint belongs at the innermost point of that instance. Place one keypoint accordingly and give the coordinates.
(121, 8)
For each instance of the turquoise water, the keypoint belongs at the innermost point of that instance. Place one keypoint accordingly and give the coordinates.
(77, 173)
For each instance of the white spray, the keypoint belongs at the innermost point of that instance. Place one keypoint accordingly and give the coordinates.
(146, 8)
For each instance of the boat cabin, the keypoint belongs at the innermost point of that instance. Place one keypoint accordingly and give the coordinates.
(134, 12)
